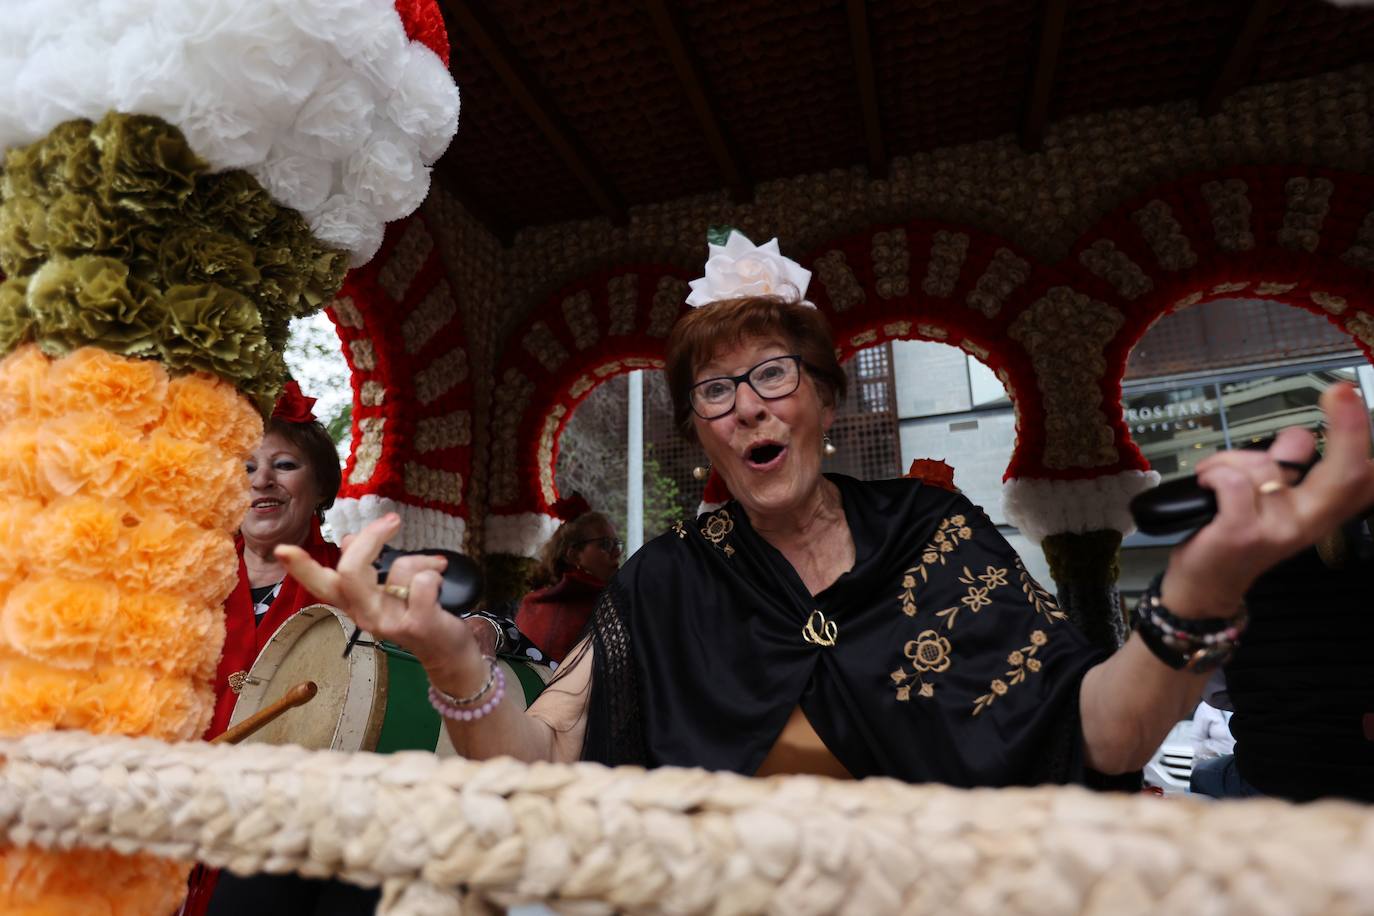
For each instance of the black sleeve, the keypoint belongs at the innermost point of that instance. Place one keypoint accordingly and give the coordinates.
(995, 656)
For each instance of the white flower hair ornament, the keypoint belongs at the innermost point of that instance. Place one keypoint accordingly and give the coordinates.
(329, 104)
(741, 268)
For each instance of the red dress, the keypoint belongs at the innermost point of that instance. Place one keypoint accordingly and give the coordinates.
(553, 618)
(243, 640)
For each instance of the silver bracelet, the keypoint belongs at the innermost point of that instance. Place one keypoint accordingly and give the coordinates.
(469, 700)
(500, 633)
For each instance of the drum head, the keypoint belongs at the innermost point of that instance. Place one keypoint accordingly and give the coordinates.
(347, 712)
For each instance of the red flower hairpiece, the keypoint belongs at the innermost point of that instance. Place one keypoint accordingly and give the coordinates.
(570, 507)
(293, 406)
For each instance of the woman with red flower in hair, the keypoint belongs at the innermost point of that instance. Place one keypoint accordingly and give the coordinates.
(293, 477)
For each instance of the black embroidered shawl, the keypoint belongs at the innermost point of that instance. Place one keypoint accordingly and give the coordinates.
(949, 662)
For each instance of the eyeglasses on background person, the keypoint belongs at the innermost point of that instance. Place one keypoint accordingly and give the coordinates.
(613, 546)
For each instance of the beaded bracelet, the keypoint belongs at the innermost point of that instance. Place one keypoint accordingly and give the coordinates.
(1192, 644)
(459, 708)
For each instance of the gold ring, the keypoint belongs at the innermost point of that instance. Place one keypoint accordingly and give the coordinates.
(397, 591)
(1271, 486)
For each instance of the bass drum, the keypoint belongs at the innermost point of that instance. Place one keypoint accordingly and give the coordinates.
(374, 700)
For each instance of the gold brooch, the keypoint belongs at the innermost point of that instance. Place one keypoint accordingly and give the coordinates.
(819, 631)
(237, 680)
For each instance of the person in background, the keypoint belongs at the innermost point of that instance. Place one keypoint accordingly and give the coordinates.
(574, 566)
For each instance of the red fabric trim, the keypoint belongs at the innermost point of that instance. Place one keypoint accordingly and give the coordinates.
(425, 24)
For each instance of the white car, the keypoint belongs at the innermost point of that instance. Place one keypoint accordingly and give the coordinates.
(1172, 765)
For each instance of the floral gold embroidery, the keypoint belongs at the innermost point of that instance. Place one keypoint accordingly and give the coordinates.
(928, 652)
(1041, 600)
(978, 596)
(819, 631)
(718, 526)
(948, 535)
(680, 528)
(1021, 661)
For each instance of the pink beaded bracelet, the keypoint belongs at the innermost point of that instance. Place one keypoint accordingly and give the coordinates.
(446, 706)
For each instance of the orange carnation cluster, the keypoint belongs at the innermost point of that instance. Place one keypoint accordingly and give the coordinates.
(38, 882)
(120, 488)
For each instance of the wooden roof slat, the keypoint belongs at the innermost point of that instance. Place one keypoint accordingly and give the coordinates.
(1037, 112)
(530, 96)
(862, 46)
(694, 87)
(1240, 59)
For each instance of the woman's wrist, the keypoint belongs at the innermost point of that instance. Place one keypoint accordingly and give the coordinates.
(1195, 600)
(456, 664)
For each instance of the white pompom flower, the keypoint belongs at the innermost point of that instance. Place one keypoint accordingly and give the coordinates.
(387, 175)
(344, 222)
(425, 102)
(335, 120)
(320, 100)
(741, 268)
(301, 182)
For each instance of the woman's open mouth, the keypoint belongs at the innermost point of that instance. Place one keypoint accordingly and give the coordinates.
(265, 506)
(765, 456)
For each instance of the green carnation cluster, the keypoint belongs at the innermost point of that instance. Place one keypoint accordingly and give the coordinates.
(116, 235)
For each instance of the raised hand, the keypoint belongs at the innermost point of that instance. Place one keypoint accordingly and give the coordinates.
(405, 610)
(1262, 518)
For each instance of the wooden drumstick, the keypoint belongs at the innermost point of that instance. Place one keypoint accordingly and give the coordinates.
(299, 695)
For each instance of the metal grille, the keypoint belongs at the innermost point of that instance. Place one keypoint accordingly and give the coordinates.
(865, 435)
(1232, 332)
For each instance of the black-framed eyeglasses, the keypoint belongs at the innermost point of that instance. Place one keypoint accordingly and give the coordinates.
(775, 377)
(613, 546)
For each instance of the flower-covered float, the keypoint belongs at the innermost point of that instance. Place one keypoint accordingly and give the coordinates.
(180, 181)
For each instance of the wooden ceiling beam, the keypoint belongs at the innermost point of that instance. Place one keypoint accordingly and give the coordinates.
(1240, 59)
(694, 87)
(484, 35)
(862, 45)
(1037, 113)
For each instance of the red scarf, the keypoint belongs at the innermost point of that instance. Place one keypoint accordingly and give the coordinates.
(553, 617)
(244, 638)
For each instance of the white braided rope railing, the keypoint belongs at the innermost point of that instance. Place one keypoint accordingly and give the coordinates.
(591, 840)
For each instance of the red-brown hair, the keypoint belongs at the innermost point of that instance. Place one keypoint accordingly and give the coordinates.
(703, 332)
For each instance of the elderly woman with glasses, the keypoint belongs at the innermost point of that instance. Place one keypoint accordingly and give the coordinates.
(820, 624)
(574, 566)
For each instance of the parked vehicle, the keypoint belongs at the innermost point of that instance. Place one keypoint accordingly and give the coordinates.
(1172, 765)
